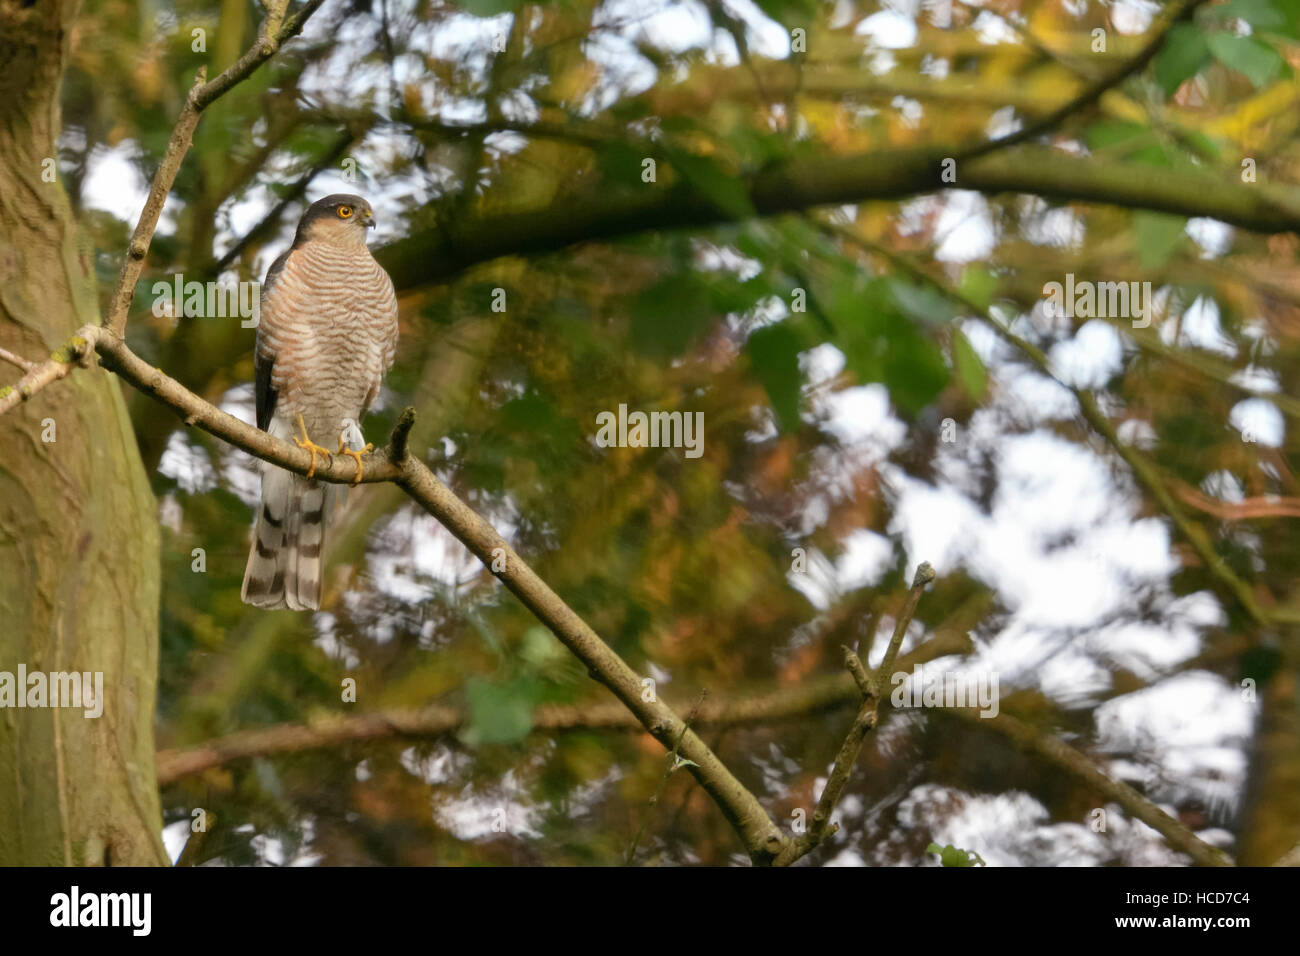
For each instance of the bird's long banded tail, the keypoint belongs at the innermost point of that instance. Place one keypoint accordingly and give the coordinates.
(284, 563)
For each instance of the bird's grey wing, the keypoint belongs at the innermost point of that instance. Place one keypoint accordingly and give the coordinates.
(263, 356)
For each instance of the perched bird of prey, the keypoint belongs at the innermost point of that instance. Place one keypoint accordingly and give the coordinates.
(327, 335)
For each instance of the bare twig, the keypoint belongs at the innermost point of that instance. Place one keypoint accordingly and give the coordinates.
(820, 826)
(59, 365)
(17, 360)
(1245, 510)
(202, 94)
(673, 763)
(924, 575)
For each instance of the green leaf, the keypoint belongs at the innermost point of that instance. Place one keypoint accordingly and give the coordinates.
(970, 369)
(1157, 235)
(1260, 14)
(950, 855)
(1247, 55)
(979, 285)
(499, 713)
(774, 354)
(1185, 54)
(915, 373)
(921, 301)
(882, 344)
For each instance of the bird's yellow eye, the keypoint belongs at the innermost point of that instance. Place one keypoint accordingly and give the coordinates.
(345, 212)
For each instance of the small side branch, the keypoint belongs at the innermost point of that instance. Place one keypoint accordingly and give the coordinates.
(59, 365)
(202, 94)
(16, 360)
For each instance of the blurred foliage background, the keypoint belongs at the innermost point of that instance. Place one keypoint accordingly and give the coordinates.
(837, 381)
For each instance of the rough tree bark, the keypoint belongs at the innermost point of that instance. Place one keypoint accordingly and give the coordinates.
(79, 540)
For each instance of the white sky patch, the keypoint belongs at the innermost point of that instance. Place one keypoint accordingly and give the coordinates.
(817, 581)
(1058, 227)
(472, 815)
(1091, 358)
(114, 184)
(188, 464)
(1259, 421)
(1002, 123)
(764, 35)
(993, 30)
(821, 363)
(440, 765)
(327, 640)
(1007, 829)
(861, 416)
(425, 554)
(888, 30)
(1133, 16)
(174, 837)
(1200, 328)
(1214, 237)
(965, 229)
(1194, 726)
(272, 851)
(1033, 397)
(1256, 379)
(866, 558)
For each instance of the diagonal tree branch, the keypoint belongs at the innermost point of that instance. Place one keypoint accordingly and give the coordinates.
(1058, 752)
(761, 838)
(1172, 15)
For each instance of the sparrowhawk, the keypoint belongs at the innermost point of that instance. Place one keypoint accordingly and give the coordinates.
(326, 336)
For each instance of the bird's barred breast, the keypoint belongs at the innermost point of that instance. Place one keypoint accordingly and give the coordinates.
(330, 321)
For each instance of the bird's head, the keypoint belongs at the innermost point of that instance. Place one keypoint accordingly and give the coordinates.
(341, 219)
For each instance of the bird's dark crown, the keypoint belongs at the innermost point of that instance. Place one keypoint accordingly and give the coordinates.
(327, 211)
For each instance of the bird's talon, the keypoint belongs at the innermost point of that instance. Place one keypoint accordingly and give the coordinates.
(312, 447)
(355, 456)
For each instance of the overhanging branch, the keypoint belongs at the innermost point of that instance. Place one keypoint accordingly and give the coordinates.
(799, 185)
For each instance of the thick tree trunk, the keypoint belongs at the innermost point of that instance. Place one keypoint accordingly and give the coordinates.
(78, 524)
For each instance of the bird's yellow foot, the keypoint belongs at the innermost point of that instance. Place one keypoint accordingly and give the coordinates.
(355, 456)
(311, 446)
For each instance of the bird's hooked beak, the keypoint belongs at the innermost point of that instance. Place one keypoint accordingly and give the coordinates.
(368, 217)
